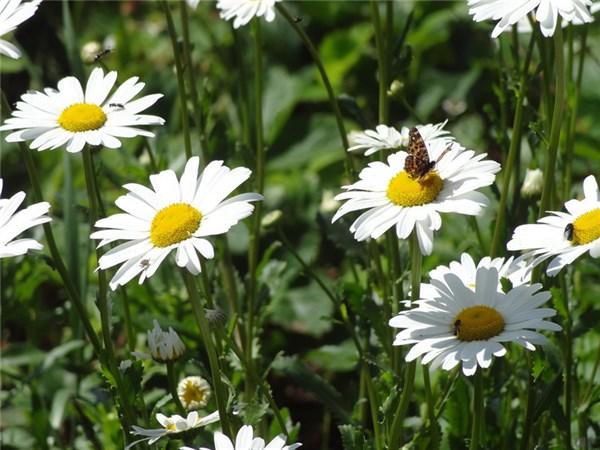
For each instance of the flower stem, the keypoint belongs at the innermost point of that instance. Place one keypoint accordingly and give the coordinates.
(325, 78)
(372, 395)
(416, 259)
(433, 425)
(180, 81)
(172, 382)
(568, 361)
(515, 142)
(254, 244)
(530, 407)
(477, 408)
(557, 114)
(204, 328)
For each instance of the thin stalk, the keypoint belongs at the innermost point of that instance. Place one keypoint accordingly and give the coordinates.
(409, 375)
(187, 53)
(381, 61)
(325, 78)
(131, 335)
(559, 95)
(433, 429)
(530, 407)
(498, 236)
(568, 362)
(573, 117)
(372, 395)
(254, 244)
(180, 80)
(477, 409)
(172, 382)
(203, 326)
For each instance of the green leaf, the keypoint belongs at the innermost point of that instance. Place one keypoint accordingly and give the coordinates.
(335, 358)
(353, 438)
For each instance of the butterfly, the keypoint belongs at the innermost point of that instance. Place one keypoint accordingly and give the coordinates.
(417, 163)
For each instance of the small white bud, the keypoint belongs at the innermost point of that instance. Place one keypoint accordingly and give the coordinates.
(533, 183)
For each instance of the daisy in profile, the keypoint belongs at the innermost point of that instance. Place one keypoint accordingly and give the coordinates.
(388, 138)
(395, 197)
(562, 236)
(455, 323)
(508, 13)
(175, 215)
(245, 440)
(13, 13)
(13, 223)
(73, 117)
(172, 425)
(193, 392)
(163, 345)
(243, 11)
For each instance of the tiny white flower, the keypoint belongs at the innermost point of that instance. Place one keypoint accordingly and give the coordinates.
(164, 345)
(392, 198)
(243, 11)
(456, 323)
(172, 425)
(90, 50)
(245, 440)
(563, 236)
(13, 13)
(533, 183)
(13, 223)
(508, 13)
(175, 215)
(193, 392)
(69, 116)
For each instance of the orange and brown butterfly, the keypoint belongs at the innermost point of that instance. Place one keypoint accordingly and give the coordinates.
(417, 163)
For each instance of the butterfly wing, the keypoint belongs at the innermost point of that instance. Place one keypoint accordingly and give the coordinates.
(417, 162)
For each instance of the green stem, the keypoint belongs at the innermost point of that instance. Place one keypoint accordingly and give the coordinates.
(204, 328)
(187, 53)
(325, 78)
(381, 62)
(254, 244)
(372, 395)
(499, 229)
(530, 407)
(433, 425)
(477, 408)
(131, 335)
(573, 118)
(409, 375)
(180, 80)
(172, 382)
(557, 114)
(568, 361)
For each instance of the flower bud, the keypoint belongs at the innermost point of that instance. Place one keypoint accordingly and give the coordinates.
(164, 345)
(533, 183)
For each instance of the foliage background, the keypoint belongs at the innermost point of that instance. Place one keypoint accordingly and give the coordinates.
(52, 393)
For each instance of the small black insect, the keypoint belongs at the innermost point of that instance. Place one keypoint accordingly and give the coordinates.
(456, 327)
(102, 54)
(145, 263)
(297, 19)
(116, 105)
(569, 232)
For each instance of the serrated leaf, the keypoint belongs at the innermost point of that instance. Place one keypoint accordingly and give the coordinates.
(353, 438)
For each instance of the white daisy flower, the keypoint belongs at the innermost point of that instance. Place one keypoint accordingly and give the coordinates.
(392, 198)
(173, 215)
(562, 236)
(466, 270)
(245, 440)
(12, 224)
(163, 345)
(388, 138)
(172, 425)
(13, 13)
(243, 11)
(193, 392)
(69, 116)
(508, 13)
(455, 324)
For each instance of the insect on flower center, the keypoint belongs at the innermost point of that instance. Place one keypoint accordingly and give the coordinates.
(586, 228)
(174, 224)
(406, 191)
(478, 323)
(82, 117)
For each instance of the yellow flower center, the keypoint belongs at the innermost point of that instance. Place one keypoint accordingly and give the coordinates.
(406, 191)
(193, 393)
(478, 323)
(82, 117)
(173, 224)
(171, 426)
(586, 227)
